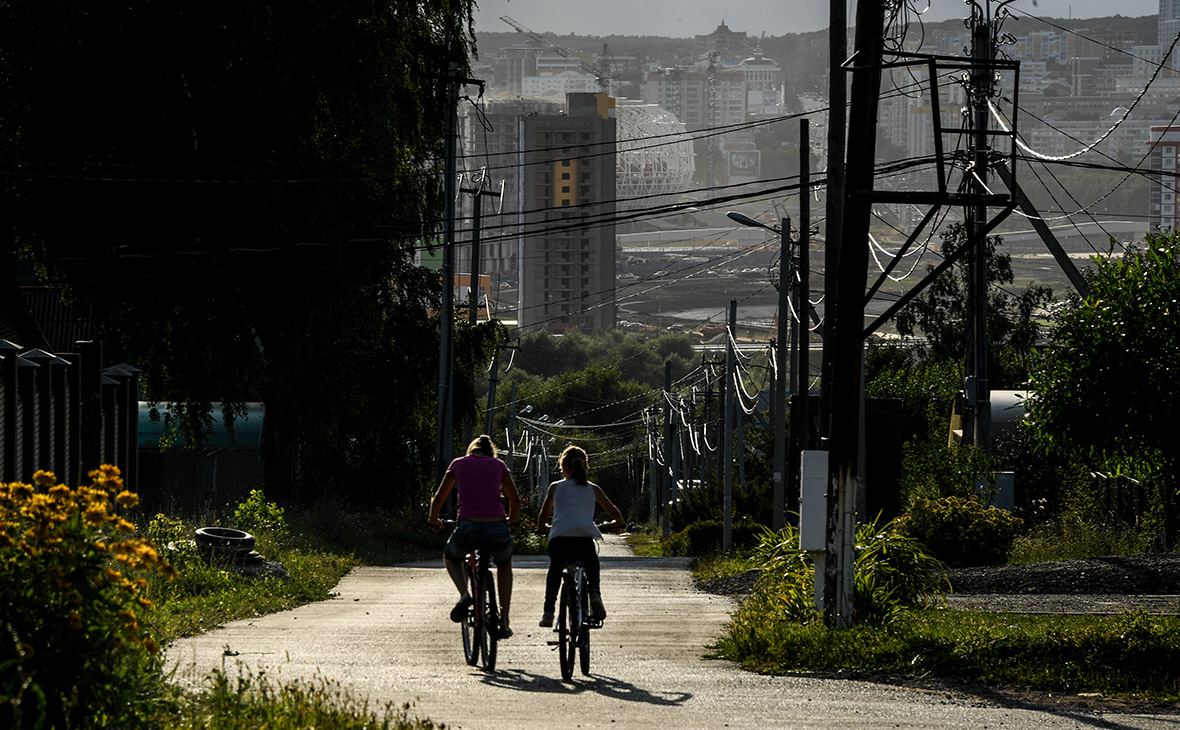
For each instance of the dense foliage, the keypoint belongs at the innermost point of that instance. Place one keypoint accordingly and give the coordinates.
(704, 537)
(73, 599)
(891, 571)
(961, 532)
(1106, 389)
(233, 192)
(598, 385)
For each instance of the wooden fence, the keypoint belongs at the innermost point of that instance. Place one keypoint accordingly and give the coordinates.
(66, 413)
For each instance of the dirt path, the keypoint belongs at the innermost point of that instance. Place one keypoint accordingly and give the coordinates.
(386, 636)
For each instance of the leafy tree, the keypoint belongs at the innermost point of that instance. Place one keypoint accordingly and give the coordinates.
(598, 384)
(940, 315)
(1106, 388)
(232, 192)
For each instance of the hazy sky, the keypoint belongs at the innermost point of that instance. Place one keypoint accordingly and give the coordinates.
(687, 18)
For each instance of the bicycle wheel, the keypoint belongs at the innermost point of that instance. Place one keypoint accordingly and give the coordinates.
(584, 640)
(470, 627)
(567, 627)
(489, 614)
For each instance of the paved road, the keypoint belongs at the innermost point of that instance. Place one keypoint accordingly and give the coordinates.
(386, 636)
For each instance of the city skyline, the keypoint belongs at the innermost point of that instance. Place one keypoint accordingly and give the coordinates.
(688, 18)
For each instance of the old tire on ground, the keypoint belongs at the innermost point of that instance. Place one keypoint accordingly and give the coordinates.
(224, 537)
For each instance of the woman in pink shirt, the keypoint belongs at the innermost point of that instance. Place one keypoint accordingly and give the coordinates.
(479, 479)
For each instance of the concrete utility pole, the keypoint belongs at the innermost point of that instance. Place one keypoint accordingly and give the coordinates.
(978, 386)
(727, 449)
(778, 409)
(801, 413)
(665, 473)
(845, 332)
(782, 478)
(446, 374)
(837, 135)
(476, 225)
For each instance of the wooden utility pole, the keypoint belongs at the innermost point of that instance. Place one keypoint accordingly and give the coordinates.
(845, 331)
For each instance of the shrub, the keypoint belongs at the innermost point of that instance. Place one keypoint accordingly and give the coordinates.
(891, 571)
(255, 514)
(705, 537)
(74, 649)
(961, 532)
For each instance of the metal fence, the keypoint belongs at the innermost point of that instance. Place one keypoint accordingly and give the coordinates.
(66, 413)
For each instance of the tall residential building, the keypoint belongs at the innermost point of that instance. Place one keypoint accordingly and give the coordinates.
(492, 150)
(567, 245)
(1169, 22)
(1164, 212)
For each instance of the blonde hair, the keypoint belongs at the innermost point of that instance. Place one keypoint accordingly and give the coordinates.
(482, 445)
(576, 463)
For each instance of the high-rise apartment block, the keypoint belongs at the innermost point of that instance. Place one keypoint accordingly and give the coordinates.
(1164, 211)
(556, 234)
(567, 255)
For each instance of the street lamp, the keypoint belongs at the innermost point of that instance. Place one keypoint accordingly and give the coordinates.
(780, 382)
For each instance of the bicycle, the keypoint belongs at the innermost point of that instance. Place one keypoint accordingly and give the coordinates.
(481, 626)
(574, 621)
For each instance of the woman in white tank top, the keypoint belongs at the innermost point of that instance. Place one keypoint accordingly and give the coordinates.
(568, 513)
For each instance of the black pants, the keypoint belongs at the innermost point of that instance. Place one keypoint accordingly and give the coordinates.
(563, 550)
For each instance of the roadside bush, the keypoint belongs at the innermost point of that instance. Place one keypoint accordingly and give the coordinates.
(74, 650)
(255, 514)
(891, 571)
(961, 532)
(704, 538)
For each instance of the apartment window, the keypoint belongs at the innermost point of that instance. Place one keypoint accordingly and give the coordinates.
(565, 176)
(565, 203)
(565, 189)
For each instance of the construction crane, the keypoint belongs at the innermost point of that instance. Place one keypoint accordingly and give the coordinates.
(602, 72)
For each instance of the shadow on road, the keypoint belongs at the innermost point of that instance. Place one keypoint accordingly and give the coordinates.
(522, 681)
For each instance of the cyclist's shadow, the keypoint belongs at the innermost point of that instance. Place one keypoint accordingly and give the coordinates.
(523, 681)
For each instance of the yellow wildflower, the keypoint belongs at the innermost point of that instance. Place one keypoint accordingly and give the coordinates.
(95, 514)
(75, 620)
(126, 499)
(44, 478)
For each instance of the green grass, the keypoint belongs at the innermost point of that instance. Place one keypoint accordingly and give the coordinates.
(316, 548)
(1075, 540)
(1133, 655)
(646, 544)
(721, 565)
(252, 701)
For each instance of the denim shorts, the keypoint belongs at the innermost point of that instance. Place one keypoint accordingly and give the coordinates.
(492, 537)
